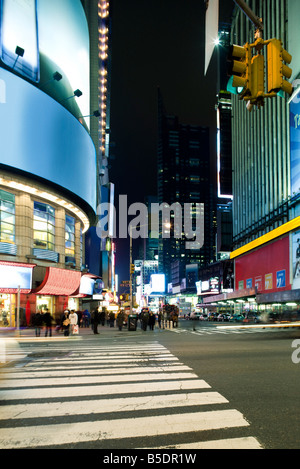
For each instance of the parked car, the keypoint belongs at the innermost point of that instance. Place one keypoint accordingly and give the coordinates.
(203, 317)
(236, 318)
(223, 317)
(213, 316)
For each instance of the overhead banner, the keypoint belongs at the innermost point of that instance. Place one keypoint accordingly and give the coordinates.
(211, 30)
(295, 143)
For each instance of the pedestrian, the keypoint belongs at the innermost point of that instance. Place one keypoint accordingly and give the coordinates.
(73, 322)
(111, 319)
(65, 322)
(38, 323)
(48, 323)
(151, 321)
(159, 318)
(102, 316)
(86, 318)
(175, 318)
(120, 319)
(95, 320)
(79, 315)
(144, 318)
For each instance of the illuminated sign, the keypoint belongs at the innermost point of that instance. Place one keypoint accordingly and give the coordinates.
(157, 283)
(51, 143)
(14, 276)
(19, 37)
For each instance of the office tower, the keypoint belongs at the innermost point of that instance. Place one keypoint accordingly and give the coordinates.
(183, 177)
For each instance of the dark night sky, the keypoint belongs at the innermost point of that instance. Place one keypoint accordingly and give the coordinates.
(155, 43)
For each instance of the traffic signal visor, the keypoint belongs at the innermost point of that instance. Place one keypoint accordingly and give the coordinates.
(278, 71)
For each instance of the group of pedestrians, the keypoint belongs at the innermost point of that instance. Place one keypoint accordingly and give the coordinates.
(100, 315)
(167, 318)
(42, 319)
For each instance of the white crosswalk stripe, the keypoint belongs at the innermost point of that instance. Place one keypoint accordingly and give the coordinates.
(223, 330)
(81, 398)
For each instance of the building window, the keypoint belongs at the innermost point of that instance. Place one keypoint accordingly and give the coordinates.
(7, 217)
(43, 226)
(70, 236)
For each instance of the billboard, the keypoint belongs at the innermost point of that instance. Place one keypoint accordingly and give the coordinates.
(15, 276)
(40, 137)
(157, 283)
(19, 37)
(267, 268)
(295, 143)
(39, 38)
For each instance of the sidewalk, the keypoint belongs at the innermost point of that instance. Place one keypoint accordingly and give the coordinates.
(28, 333)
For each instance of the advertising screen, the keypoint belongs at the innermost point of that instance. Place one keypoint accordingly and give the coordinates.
(18, 26)
(267, 268)
(295, 143)
(157, 283)
(51, 143)
(64, 47)
(13, 277)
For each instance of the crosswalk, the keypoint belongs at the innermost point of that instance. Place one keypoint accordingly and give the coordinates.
(121, 396)
(227, 330)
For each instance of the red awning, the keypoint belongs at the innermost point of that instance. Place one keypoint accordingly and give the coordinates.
(59, 282)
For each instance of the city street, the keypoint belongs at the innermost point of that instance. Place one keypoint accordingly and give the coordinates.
(176, 388)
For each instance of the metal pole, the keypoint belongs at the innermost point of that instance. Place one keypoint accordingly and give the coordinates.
(18, 310)
(130, 263)
(251, 15)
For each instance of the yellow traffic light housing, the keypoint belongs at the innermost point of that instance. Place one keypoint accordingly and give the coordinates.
(278, 71)
(240, 67)
(131, 268)
(257, 80)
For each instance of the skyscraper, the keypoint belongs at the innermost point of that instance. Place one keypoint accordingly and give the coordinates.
(183, 177)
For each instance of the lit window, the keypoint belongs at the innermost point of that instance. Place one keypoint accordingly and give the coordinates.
(70, 236)
(7, 217)
(43, 226)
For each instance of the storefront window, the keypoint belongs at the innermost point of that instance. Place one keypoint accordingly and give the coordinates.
(43, 226)
(7, 306)
(7, 217)
(70, 236)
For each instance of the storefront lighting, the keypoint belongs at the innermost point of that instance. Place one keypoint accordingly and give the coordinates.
(280, 231)
(49, 197)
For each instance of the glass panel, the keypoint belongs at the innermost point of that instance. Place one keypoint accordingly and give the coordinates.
(7, 218)
(44, 226)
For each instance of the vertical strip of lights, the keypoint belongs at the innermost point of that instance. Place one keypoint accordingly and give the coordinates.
(103, 14)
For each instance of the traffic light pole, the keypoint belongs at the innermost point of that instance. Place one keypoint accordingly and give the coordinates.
(251, 15)
(130, 264)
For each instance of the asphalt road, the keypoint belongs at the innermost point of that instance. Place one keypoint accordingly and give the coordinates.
(254, 371)
(251, 375)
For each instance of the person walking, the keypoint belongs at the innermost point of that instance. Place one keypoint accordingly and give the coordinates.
(38, 323)
(111, 319)
(65, 322)
(48, 323)
(159, 318)
(120, 319)
(151, 321)
(95, 320)
(73, 321)
(144, 318)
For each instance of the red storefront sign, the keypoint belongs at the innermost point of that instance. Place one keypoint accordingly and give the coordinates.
(267, 268)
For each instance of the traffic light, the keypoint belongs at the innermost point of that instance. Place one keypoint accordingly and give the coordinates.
(131, 269)
(278, 71)
(240, 68)
(257, 79)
